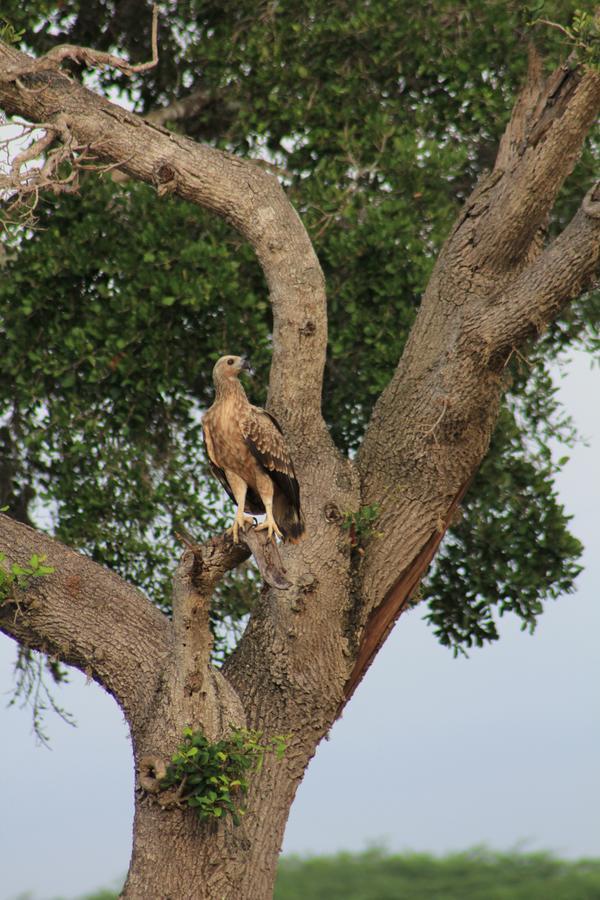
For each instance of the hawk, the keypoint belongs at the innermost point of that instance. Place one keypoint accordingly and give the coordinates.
(247, 452)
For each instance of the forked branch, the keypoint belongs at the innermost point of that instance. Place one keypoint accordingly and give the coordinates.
(539, 149)
(57, 172)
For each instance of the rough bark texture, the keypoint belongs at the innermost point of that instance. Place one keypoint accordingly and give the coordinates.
(306, 647)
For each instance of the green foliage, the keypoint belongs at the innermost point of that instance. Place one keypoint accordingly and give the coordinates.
(475, 875)
(113, 311)
(360, 525)
(8, 34)
(212, 779)
(15, 579)
(582, 37)
(514, 533)
(111, 389)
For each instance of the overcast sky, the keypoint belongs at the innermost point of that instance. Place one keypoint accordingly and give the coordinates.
(432, 754)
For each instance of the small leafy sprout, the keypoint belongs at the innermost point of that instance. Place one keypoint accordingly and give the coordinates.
(360, 525)
(18, 578)
(8, 34)
(213, 778)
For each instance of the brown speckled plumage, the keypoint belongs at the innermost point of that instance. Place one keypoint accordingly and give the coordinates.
(247, 452)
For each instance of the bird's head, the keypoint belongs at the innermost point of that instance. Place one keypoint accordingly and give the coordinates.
(229, 367)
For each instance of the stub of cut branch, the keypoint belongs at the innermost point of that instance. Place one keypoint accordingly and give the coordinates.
(267, 557)
(219, 555)
(152, 770)
(591, 202)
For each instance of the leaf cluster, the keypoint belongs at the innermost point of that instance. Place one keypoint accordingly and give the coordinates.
(582, 36)
(17, 578)
(515, 534)
(360, 525)
(8, 33)
(213, 778)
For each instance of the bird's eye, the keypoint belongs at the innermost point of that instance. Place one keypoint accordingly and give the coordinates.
(229, 362)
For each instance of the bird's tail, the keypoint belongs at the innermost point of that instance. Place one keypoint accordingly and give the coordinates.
(289, 518)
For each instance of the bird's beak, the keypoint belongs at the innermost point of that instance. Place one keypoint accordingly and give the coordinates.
(246, 367)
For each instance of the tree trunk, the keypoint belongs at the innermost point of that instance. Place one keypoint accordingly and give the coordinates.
(177, 856)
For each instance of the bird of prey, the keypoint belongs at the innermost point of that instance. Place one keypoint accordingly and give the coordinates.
(247, 452)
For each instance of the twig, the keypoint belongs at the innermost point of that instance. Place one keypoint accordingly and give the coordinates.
(32, 152)
(554, 25)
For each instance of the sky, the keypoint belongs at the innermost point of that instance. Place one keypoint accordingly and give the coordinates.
(432, 754)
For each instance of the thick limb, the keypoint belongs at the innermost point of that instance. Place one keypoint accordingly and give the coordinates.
(239, 488)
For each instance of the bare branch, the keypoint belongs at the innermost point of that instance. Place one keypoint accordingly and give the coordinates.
(35, 149)
(188, 106)
(203, 693)
(85, 55)
(219, 555)
(88, 617)
(202, 566)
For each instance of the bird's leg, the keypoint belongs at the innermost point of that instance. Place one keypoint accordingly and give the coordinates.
(269, 522)
(239, 488)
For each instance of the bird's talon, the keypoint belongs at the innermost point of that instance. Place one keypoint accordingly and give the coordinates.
(235, 528)
(271, 527)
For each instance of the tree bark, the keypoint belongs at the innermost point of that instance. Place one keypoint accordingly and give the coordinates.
(307, 647)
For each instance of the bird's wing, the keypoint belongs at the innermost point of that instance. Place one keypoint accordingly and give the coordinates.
(210, 453)
(254, 504)
(264, 438)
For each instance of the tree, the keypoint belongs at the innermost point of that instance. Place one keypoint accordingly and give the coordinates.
(375, 520)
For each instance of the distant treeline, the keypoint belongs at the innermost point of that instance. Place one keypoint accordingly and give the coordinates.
(475, 875)
(478, 874)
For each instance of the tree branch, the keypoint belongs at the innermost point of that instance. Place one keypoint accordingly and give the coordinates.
(539, 149)
(489, 291)
(188, 106)
(87, 617)
(208, 697)
(191, 620)
(538, 294)
(248, 197)
(203, 694)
